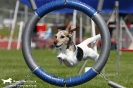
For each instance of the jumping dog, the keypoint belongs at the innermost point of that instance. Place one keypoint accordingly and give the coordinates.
(71, 54)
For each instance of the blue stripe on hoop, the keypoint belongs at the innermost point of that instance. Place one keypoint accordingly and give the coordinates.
(60, 4)
(54, 5)
(77, 80)
(81, 6)
(49, 78)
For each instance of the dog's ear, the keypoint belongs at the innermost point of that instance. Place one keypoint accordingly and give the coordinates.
(72, 30)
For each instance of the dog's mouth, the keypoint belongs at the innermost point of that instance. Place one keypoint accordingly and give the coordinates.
(57, 46)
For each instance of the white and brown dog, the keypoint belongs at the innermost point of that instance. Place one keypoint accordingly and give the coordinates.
(72, 54)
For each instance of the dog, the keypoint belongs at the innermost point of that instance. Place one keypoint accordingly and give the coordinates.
(71, 54)
(7, 81)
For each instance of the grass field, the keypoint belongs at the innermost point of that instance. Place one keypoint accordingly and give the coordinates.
(12, 65)
(6, 32)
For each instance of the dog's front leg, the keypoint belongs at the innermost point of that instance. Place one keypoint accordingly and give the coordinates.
(60, 61)
(61, 57)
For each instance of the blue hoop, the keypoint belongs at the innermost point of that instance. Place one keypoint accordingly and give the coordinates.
(72, 81)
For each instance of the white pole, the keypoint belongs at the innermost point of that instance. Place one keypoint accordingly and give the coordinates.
(19, 35)
(93, 32)
(13, 24)
(74, 24)
(120, 34)
(81, 28)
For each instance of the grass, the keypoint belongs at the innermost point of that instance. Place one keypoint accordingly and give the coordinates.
(6, 31)
(12, 65)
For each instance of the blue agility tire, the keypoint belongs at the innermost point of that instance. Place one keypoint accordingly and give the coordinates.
(72, 81)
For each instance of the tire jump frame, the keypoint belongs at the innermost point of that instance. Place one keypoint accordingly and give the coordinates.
(72, 81)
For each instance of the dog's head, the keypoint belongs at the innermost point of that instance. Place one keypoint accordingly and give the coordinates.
(63, 37)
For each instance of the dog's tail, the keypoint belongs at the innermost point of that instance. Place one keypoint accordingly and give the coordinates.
(92, 39)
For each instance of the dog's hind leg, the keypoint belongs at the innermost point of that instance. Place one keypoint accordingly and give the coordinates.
(91, 39)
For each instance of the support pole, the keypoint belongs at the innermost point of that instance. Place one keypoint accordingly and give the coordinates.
(19, 35)
(13, 24)
(33, 4)
(115, 85)
(110, 15)
(118, 37)
(81, 28)
(93, 33)
(74, 24)
(15, 85)
(100, 5)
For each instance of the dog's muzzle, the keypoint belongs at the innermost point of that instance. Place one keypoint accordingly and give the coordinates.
(56, 45)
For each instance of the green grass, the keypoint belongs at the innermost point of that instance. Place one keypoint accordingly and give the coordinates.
(6, 31)
(12, 65)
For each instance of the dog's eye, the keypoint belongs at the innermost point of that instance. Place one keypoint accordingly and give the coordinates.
(62, 37)
(55, 36)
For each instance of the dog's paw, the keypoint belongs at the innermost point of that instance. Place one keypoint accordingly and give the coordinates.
(59, 58)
